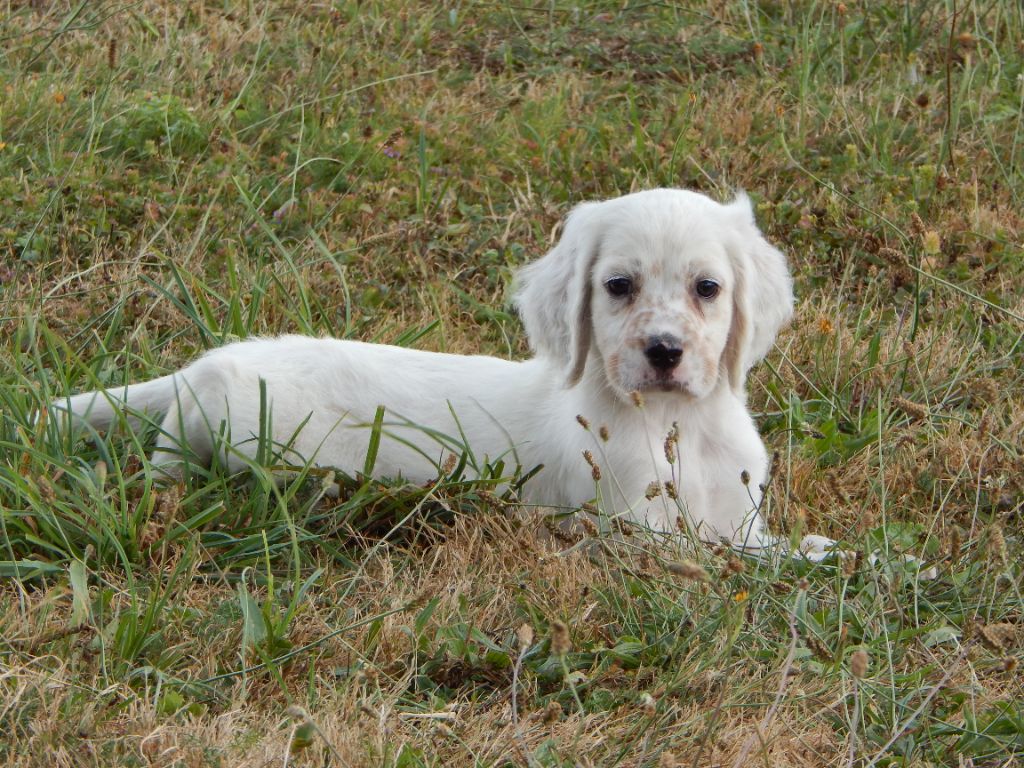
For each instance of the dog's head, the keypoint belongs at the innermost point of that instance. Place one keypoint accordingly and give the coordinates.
(666, 290)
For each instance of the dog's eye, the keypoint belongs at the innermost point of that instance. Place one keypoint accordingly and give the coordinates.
(619, 286)
(707, 289)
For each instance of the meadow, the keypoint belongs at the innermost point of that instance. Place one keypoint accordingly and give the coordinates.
(175, 176)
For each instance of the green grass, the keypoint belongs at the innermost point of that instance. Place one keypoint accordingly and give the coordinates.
(176, 176)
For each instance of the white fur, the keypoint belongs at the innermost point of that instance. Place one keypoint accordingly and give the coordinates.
(589, 357)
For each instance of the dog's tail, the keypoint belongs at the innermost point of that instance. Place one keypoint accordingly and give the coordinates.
(103, 407)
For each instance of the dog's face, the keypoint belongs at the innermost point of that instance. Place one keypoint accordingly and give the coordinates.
(663, 290)
(661, 306)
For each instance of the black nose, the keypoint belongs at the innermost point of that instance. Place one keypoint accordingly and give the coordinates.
(664, 352)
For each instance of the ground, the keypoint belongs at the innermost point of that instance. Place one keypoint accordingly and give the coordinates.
(177, 175)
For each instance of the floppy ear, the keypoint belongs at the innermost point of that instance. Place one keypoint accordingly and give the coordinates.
(739, 330)
(553, 294)
(762, 295)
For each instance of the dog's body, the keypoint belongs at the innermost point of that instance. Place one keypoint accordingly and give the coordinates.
(322, 395)
(644, 318)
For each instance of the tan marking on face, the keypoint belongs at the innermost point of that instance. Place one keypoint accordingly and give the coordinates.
(652, 318)
(710, 364)
(696, 302)
(635, 324)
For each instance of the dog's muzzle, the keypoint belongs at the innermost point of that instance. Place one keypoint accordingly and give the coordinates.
(664, 353)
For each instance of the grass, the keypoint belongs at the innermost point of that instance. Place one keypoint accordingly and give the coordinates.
(179, 175)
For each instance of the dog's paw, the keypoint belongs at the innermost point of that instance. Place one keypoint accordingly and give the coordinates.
(817, 548)
(912, 561)
(813, 548)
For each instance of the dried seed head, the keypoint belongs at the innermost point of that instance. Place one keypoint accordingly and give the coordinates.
(552, 713)
(637, 398)
(558, 533)
(588, 457)
(670, 490)
(817, 647)
(891, 256)
(670, 450)
(995, 546)
(954, 545)
(524, 637)
(870, 242)
(560, 643)
(732, 566)
(595, 472)
(745, 477)
(688, 570)
(589, 525)
(912, 409)
(671, 446)
(603, 433)
(583, 421)
(916, 225)
(653, 491)
(859, 663)
(985, 390)
(450, 462)
(112, 53)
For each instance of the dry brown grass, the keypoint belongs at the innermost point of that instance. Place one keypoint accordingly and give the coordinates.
(884, 145)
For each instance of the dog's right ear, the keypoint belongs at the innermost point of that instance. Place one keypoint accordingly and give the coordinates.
(763, 296)
(553, 294)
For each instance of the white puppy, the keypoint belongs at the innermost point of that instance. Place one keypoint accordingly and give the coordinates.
(644, 320)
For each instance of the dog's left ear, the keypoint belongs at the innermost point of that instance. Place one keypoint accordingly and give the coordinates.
(762, 295)
(553, 294)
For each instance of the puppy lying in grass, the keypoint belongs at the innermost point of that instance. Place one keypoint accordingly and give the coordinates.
(644, 320)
